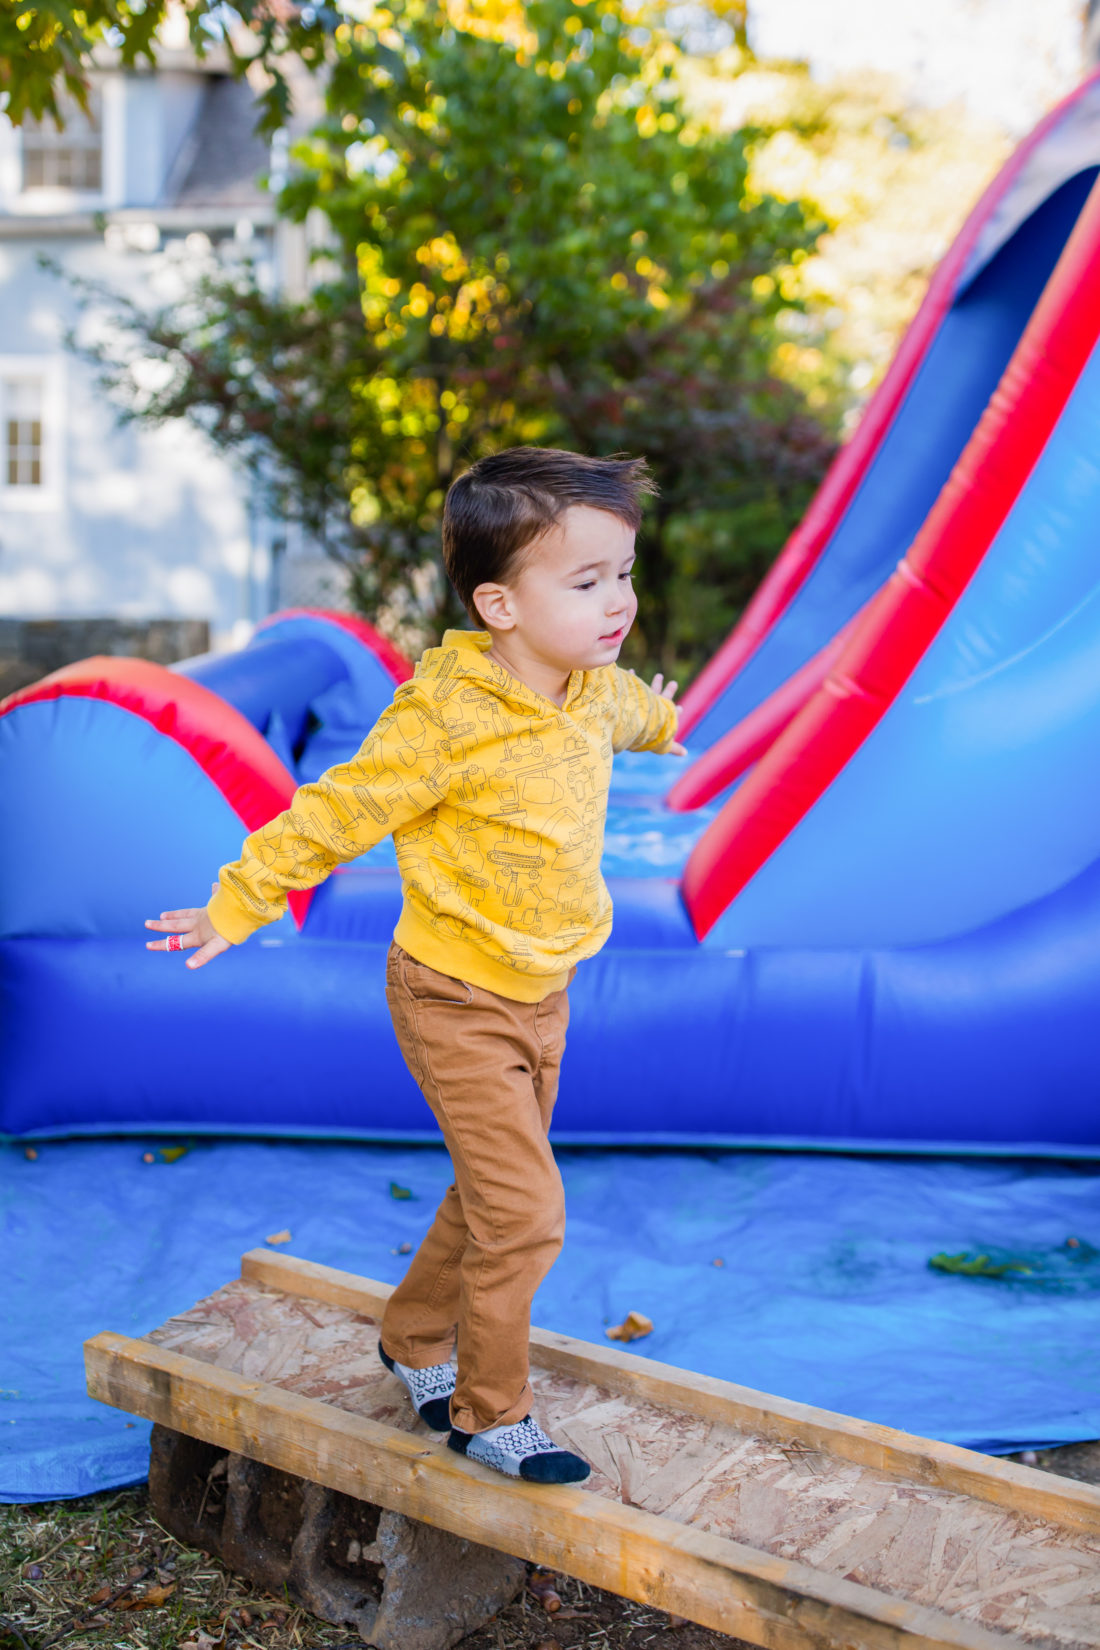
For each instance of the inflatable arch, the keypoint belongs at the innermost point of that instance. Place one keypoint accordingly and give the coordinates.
(866, 914)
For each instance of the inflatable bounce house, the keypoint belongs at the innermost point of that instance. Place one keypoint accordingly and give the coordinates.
(864, 913)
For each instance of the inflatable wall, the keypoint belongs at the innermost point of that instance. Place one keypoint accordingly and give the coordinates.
(866, 913)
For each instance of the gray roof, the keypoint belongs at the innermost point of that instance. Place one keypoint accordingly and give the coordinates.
(221, 157)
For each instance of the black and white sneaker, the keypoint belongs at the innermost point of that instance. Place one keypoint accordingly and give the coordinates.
(521, 1450)
(430, 1389)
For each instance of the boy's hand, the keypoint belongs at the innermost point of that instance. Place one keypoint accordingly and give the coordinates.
(668, 692)
(195, 933)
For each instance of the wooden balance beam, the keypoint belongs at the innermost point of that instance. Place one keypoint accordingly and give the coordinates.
(772, 1521)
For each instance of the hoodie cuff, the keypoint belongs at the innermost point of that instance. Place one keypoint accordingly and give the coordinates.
(228, 920)
(668, 736)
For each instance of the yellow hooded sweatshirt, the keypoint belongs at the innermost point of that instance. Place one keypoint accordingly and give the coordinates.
(496, 799)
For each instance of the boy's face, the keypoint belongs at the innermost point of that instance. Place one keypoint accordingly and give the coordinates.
(571, 602)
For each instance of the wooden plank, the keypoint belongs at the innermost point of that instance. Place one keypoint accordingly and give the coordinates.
(770, 1601)
(918, 1460)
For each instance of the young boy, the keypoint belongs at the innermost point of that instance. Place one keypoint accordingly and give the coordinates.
(491, 769)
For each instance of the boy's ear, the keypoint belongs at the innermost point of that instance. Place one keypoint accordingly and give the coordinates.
(494, 606)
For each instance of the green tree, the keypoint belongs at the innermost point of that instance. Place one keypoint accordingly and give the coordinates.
(48, 49)
(533, 240)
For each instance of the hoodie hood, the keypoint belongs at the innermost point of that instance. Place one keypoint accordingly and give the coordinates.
(462, 657)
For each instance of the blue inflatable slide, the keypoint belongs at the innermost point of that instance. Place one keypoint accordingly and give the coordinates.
(867, 914)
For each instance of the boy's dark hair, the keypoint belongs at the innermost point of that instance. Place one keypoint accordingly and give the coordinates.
(507, 500)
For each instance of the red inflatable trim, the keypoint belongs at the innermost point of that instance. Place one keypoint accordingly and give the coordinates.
(902, 620)
(390, 657)
(732, 755)
(237, 759)
(804, 548)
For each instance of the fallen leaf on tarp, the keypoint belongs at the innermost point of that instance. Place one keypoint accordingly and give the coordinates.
(402, 1249)
(147, 1157)
(150, 1599)
(718, 1262)
(172, 1154)
(632, 1328)
(278, 1237)
(30, 1154)
(977, 1266)
(399, 1191)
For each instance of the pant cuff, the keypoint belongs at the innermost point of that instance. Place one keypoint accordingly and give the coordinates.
(423, 1357)
(467, 1420)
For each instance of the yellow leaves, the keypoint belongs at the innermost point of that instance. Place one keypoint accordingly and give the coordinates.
(365, 507)
(658, 297)
(645, 118)
(619, 281)
(719, 269)
(387, 394)
(556, 70)
(503, 20)
(444, 255)
(437, 326)
(276, 1238)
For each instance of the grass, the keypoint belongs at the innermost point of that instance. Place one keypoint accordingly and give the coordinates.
(101, 1572)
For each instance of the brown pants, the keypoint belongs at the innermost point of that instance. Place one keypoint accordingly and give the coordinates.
(488, 1068)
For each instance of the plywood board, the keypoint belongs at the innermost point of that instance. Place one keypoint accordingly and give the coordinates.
(704, 1507)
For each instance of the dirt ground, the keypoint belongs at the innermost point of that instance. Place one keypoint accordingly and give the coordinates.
(101, 1572)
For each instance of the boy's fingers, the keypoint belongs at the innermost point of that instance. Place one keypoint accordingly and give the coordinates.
(185, 942)
(206, 953)
(677, 750)
(670, 690)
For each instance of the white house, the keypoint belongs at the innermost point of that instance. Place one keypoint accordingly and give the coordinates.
(98, 520)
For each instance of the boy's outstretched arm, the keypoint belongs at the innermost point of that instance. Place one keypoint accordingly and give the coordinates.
(647, 716)
(667, 690)
(397, 775)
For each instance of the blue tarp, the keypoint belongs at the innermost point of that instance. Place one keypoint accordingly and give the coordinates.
(824, 1295)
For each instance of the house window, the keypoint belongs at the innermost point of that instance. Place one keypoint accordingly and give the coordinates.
(68, 159)
(22, 400)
